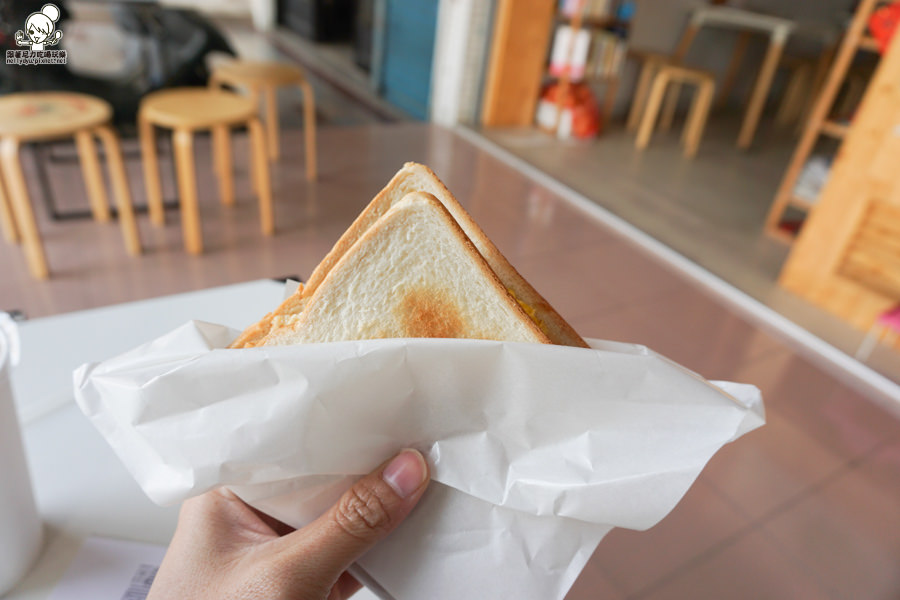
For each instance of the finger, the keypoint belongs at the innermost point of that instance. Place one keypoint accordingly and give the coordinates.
(346, 586)
(365, 514)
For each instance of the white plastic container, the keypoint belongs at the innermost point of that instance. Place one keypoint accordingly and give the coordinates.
(21, 531)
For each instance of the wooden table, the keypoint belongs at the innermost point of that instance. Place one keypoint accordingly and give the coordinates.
(778, 30)
(38, 116)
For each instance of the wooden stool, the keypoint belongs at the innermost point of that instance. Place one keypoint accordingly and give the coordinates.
(651, 63)
(186, 110)
(27, 117)
(693, 130)
(264, 79)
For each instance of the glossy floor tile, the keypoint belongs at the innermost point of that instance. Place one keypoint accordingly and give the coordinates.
(805, 507)
(750, 567)
(709, 209)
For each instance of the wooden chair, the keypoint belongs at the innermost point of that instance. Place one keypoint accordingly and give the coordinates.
(663, 76)
(184, 111)
(262, 79)
(38, 116)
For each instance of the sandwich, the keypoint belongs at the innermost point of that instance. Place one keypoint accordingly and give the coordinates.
(413, 264)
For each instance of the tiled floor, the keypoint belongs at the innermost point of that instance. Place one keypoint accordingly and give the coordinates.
(806, 507)
(709, 209)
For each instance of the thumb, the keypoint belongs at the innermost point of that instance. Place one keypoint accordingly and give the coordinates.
(365, 514)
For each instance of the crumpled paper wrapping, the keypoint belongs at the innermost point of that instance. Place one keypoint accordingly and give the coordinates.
(536, 451)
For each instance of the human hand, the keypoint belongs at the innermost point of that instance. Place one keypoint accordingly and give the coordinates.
(224, 549)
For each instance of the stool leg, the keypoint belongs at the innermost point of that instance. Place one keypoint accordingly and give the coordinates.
(668, 113)
(214, 83)
(651, 111)
(271, 101)
(640, 95)
(7, 218)
(151, 172)
(93, 177)
(222, 161)
(309, 129)
(187, 191)
(120, 189)
(261, 168)
(18, 193)
(696, 122)
(254, 176)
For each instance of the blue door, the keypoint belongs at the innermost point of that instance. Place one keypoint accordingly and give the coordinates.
(408, 49)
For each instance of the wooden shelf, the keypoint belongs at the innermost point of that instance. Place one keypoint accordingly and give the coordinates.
(835, 129)
(847, 259)
(869, 43)
(577, 22)
(802, 202)
(818, 124)
(593, 22)
(782, 235)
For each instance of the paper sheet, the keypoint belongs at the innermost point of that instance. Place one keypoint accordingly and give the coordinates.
(536, 450)
(110, 569)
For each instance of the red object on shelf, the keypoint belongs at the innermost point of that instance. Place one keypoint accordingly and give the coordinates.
(580, 102)
(883, 24)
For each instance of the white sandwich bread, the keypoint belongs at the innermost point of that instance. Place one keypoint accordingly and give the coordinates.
(413, 264)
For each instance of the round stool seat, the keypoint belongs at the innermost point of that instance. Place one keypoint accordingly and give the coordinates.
(184, 111)
(39, 116)
(251, 72)
(261, 79)
(195, 108)
(46, 115)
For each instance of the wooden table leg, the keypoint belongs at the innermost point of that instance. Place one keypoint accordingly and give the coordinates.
(309, 129)
(261, 168)
(121, 190)
(18, 192)
(7, 218)
(651, 111)
(271, 100)
(684, 44)
(93, 177)
(734, 67)
(187, 190)
(760, 93)
(151, 172)
(222, 160)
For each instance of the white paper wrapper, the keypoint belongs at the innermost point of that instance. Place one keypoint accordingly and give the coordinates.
(536, 451)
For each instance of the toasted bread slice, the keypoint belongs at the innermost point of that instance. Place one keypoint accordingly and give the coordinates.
(413, 273)
(417, 177)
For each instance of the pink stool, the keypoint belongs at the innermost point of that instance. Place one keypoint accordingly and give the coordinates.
(887, 323)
